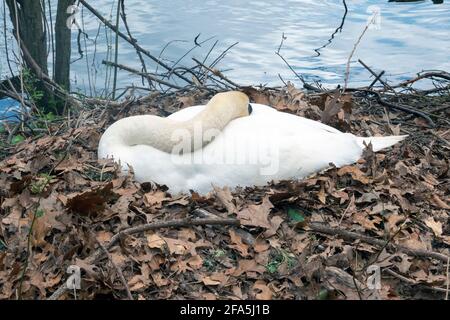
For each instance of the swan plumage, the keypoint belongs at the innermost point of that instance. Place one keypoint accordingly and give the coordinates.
(249, 150)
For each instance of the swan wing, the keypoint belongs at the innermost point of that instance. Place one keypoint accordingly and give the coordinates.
(267, 145)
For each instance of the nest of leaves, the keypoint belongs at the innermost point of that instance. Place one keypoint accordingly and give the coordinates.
(327, 237)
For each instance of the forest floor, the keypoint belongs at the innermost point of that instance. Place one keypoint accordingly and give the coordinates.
(326, 237)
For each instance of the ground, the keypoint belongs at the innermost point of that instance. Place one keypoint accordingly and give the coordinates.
(326, 237)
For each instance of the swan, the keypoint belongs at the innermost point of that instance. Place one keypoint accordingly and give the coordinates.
(229, 142)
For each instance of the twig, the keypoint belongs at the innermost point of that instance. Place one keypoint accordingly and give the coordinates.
(186, 53)
(131, 41)
(397, 107)
(351, 202)
(440, 138)
(300, 77)
(220, 57)
(434, 90)
(347, 67)
(434, 74)
(118, 270)
(319, 227)
(217, 73)
(338, 29)
(410, 281)
(28, 252)
(125, 22)
(322, 228)
(305, 84)
(59, 292)
(44, 77)
(142, 74)
(385, 245)
(153, 226)
(170, 224)
(377, 77)
(116, 50)
(357, 288)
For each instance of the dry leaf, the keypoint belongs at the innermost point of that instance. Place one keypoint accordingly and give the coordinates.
(354, 172)
(256, 215)
(262, 291)
(434, 225)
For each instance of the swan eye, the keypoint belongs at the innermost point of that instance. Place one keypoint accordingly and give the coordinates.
(250, 109)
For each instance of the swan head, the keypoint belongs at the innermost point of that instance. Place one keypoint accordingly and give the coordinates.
(230, 105)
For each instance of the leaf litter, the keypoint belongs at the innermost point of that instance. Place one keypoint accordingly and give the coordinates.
(58, 202)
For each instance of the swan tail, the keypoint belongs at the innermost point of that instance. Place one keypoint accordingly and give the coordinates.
(379, 143)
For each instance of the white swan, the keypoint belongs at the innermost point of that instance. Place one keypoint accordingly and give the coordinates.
(229, 142)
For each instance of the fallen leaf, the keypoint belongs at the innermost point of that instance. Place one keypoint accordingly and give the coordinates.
(434, 225)
(245, 266)
(154, 241)
(354, 172)
(215, 279)
(439, 203)
(261, 291)
(256, 215)
(238, 245)
(225, 197)
(92, 201)
(155, 199)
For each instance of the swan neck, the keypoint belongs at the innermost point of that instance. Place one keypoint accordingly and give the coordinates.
(166, 134)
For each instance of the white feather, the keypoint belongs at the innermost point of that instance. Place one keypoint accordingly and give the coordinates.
(253, 150)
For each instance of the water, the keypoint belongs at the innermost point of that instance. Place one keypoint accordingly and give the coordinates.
(408, 37)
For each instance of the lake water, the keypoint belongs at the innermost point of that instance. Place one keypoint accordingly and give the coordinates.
(407, 38)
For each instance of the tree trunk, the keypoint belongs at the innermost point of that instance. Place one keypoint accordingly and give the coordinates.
(63, 45)
(31, 28)
(27, 18)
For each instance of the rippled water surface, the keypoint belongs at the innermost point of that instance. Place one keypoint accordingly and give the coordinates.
(407, 38)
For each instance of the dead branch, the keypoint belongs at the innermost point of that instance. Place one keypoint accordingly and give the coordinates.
(411, 281)
(347, 67)
(434, 90)
(300, 77)
(389, 105)
(322, 228)
(45, 78)
(59, 292)
(142, 74)
(146, 227)
(217, 73)
(118, 270)
(222, 55)
(433, 74)
(338, 29)
(125, 22)
(343, 277)
(131, 41)
(171, 224)
(377, 76)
